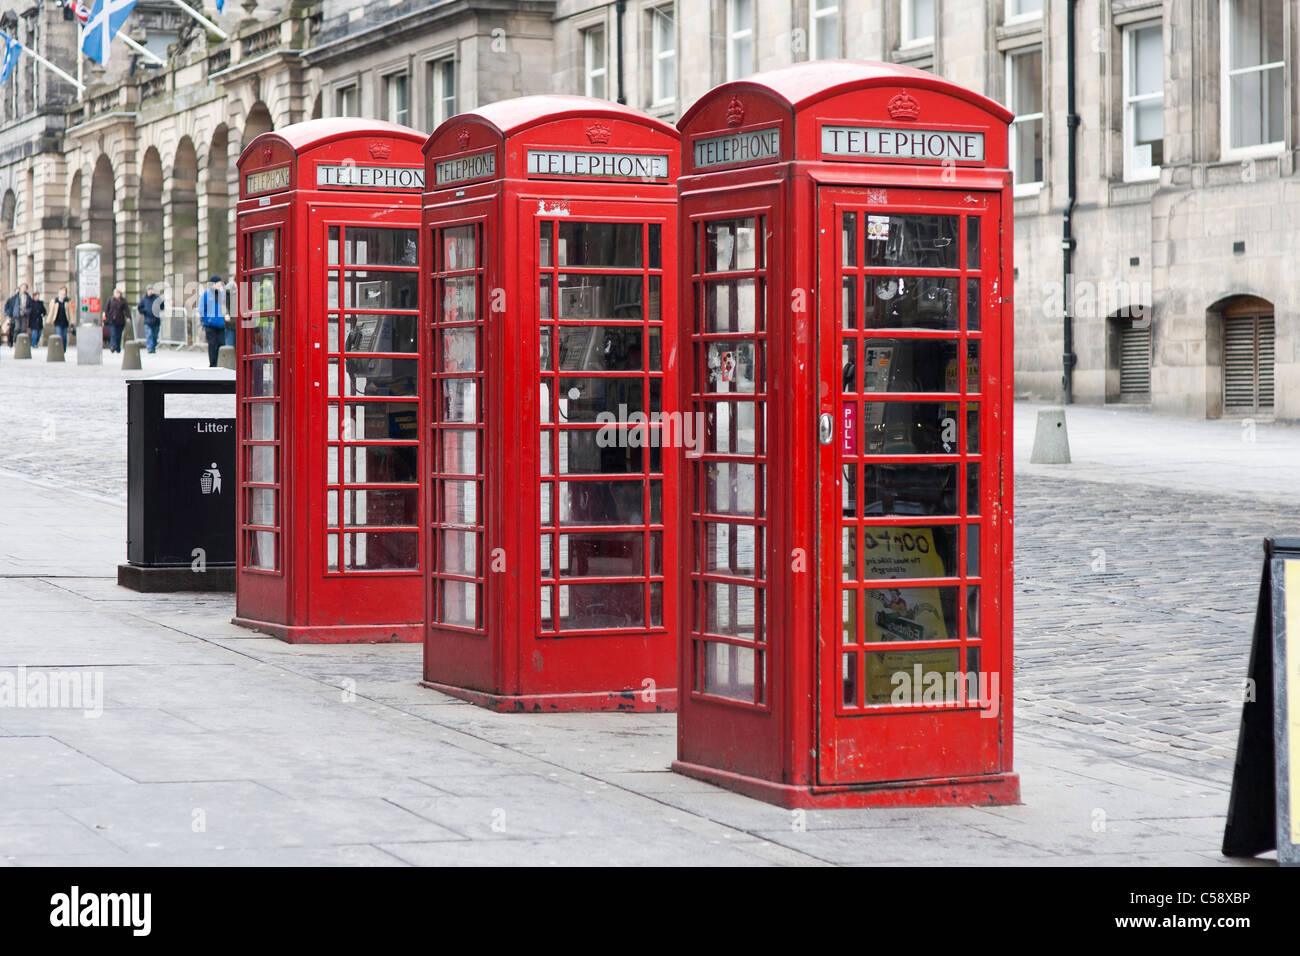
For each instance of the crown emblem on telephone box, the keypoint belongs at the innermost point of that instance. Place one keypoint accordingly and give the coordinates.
(598, 133)
(735, 112)
(266, 152)
(462, 137)
(380, 150)
(904, 107)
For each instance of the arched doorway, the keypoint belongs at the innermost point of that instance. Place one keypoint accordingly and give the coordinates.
(1247, 330)
(152, 265)
(317, 106)
(218, 203)
(8, 215)
(184, 201)
(103, 225)
(257, 123)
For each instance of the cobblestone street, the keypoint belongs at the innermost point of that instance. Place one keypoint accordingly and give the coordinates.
(1134, 604)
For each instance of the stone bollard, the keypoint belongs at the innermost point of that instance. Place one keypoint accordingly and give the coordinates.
(54, 351)
(226, 357)
(1051, 441)
(130, 356)
(22, 346)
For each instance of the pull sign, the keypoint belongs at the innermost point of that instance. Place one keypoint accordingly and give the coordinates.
(849, 428)
(825, 428)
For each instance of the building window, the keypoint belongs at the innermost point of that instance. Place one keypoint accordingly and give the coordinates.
(347, 102)
(1022, 9)
(918, 21)
(740, 38)
(1144, 102)
(663, 60)
(1253, 97)
(442, 91)
(395, 99)
(824, 29)
(1025, 99)
(593, 62)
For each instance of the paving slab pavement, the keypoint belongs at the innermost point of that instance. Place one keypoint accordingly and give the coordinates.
(219, 746)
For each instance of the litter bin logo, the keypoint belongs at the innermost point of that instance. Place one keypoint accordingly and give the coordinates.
(210, 483)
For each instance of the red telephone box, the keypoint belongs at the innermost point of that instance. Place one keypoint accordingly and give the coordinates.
(549, 250)
(329, 511)
(846, 325)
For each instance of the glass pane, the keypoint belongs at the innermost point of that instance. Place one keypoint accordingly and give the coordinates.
(260, 462)
(600, 297)
(545, 231)
(262, 293)
(459, 452)
(910, 428)
(911, 614)
(459, 303)
(602, 502)
(729, 671)
(730, 306)
(730, 245)
(1027, 156)
(1256, 107)
(601, 452)
(909, 490)
(333, 246)
(1148, 63)
(908, 302)
(973, 489)
(730, 488)
(904, 241)
(973, 305)
(730, 366)
(973, 550)
(262, 249)
(381, 507)
(849, 615)
(261, 506)
(459, 248)
(381, 333)
(913, 677)
(599, 348)
(602, 555)
(459, 603)
(259, 380)
(459, 552)
(729, 428)
(380, 376)
(1027, 83)
(379, 290)
(849, 303)
(609, 605)
(260, 547)
(459, 502)
(583, 399)
(459, 350)
(654, 252)
(729, 610)
(261, 421)
(379, 420)
(377, 246)
(261, 334)
(909, 365)
(395, 464)
(459, 400)
(908, 552)
(729, 548)
(1149, 132)
(1256, 34)
(849, 239)
(599, 245)
(332, 552)
(654, 303)
(973, 242)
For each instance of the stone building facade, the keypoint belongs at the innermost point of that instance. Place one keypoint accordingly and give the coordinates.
(1183, 291)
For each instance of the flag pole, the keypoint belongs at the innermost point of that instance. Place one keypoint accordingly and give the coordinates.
(202, 19)
(143, 51)
(81, 57)
(81, 88)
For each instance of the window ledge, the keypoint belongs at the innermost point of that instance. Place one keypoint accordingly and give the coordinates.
(917, 55)
(1133, 193)
(1028, 27)
(1262, 151)
(1026, 190)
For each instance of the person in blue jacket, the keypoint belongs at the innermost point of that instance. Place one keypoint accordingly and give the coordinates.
(212, 315)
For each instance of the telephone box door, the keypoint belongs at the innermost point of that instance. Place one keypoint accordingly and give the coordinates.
(909, 496)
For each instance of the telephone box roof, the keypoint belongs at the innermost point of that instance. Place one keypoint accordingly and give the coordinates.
(301, 137)
(509, 117)
(803, 84)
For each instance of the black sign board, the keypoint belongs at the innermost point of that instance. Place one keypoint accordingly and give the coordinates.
(1264, 809)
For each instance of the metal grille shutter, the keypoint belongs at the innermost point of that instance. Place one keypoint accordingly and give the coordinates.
(1135, 362)
(1247, 363)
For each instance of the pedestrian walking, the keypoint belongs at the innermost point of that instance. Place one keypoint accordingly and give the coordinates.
(16, 312)
(151, 307)
(212, 315)
(62, 308)
(115, 316)
(36, 317)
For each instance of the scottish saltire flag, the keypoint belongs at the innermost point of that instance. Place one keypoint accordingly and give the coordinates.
(221, 6)
(106, 18)
(13, 50)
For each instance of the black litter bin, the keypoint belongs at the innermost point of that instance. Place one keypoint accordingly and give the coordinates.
(181, 482)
